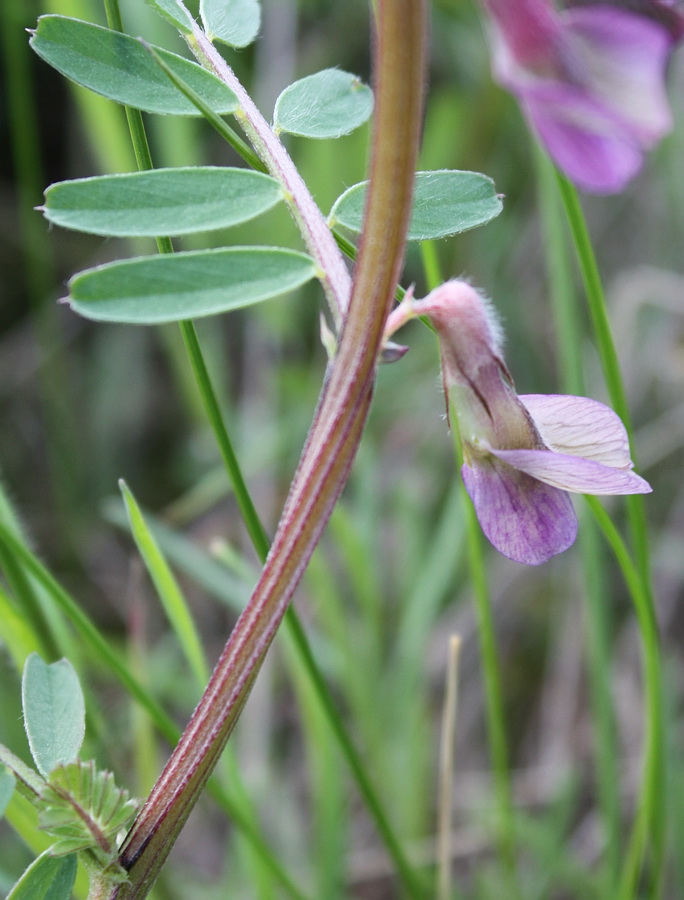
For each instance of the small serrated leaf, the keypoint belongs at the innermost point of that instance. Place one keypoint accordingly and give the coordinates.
(84, 808)
(234, 22)
(161, 201)
(445, 202)
(47, 878)
(325, 105)
(54, 712)
(122, 68)
(170, 288)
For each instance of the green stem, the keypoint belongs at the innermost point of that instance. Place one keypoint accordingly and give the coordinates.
(494, 701)
(649, 826)
(354, 761)
(595, 299)
(610, 364)
(651, 799)
(569, 337)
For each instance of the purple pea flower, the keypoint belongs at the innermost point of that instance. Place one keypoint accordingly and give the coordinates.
(521, 453)
(590, 80)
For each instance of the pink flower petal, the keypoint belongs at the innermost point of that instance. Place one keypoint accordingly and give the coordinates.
(527, 521)
(579, 426)
(596, 96)
(582, 139)
(624, 56)
(570, 473)
(668, 13)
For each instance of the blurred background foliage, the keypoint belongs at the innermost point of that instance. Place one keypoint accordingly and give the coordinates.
(82, 405)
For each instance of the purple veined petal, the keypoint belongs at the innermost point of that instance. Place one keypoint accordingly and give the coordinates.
(571, 473)
(595, 155)
(579, 426)
(668, 13)
(607, 104)
(625, 56)
(527, 521)
(524, 34)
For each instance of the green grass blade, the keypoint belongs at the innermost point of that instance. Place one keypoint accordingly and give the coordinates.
(569, 338)
(15, 633)
(169, 593)
(650, 827)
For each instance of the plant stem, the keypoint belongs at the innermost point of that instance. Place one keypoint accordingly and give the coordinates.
(446, 770)
(569, 336)
(255, 528)
(328, 453)
(610, 363)
(318, 238)
(651, 800)
(649, 827)
(494, 702)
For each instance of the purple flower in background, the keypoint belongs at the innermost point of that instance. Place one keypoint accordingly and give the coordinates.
(590, 80)
(669, 13)
(522, 453)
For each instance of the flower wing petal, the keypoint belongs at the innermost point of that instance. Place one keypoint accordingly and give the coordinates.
(624, 56)
(579, 426)
(571, 473)
(582, 139)
(602, 103)
(527, 521)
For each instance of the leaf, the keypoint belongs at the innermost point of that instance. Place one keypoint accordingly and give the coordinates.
(174, 12)
(325, 105)
(121, 68)
(47, 878)
(234, 22)
(54, 712)
(84, 809)
(171, 288)
(445, 202)
(7, 784)
(161, 202)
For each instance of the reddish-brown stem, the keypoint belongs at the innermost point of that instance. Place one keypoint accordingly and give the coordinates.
(328, 454)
